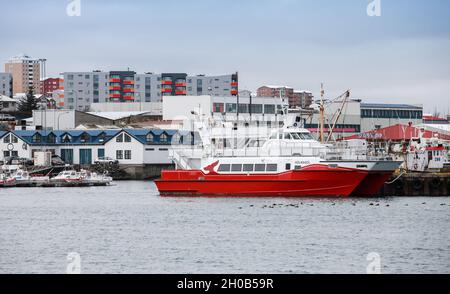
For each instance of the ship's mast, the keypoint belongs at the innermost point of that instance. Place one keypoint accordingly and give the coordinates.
(322, 113)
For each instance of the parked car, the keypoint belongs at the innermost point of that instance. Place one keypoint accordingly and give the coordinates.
(106, 160)
(6, 117)
(14, 160)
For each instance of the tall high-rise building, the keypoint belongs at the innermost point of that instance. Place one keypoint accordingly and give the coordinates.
(25, 73)
(6, 84)
(84, 88)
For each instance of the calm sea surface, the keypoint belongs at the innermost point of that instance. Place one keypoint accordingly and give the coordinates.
(128, 228)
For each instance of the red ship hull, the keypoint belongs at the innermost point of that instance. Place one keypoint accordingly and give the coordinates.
(372, 184)
(314, 180)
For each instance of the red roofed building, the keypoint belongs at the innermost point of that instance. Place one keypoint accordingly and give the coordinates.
(430, 119)
(397, 132)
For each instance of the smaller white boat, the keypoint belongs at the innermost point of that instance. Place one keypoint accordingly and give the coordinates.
(94, 179)
(24, 179)
(82, 178)
(67, 177)
(6, 180)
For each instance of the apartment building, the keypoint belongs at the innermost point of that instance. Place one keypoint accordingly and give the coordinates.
(6, 84)
(25, 73)
(48, 85)
(297, 99)
(84, 88)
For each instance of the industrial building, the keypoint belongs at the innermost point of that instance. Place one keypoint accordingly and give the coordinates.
(354, 117)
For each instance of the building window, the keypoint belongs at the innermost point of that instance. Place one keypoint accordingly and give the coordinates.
(128, 154)
(84, 138)
(163, 138)
(66, 139)
(36, 138)
(51, 138)
(102, 138)
(127, 138)
(149, 137)
(218, 107)
(119, 154)
(231, 107)
(119, 138)
(7, 139)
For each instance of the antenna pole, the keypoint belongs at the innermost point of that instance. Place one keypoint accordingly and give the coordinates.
(322, 111)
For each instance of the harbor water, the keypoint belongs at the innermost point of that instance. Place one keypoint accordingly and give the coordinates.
(128, 228)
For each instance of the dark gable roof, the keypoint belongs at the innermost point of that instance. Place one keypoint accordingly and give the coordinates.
(95, 136)
(141, 134)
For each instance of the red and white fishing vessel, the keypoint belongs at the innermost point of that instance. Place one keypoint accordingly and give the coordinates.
(289, 162)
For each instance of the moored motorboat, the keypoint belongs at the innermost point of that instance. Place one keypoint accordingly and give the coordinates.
(6, 180)
(22, 178)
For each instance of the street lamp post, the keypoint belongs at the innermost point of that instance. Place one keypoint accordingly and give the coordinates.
(140, 100)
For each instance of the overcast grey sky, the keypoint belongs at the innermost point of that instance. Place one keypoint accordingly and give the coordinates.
(402, 56)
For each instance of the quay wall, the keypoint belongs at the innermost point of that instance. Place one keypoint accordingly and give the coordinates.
(418, 184)
(131, 171)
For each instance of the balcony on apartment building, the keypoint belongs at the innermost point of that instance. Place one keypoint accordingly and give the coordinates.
(115, 88)
(115, 95)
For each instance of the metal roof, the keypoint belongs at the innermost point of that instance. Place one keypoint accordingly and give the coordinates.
(390, 106)
(95, 137)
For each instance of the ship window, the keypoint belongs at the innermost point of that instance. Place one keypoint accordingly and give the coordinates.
(298, 167)
(288, 166)
(236, 167)
(287, 136)
(260, 167)
(272, 168)
(224, 168)
(248, 167)
(295, 136)
(306, 136)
